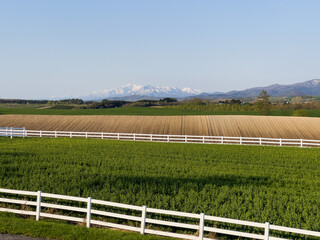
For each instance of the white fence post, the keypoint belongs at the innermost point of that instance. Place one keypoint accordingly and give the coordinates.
(280, 141)
(260, 141)
(55, 134)
(134, 137)
(266, 231)
(38, 209)
(11, 133)
(118, 136)
(143, 219)
(301, 143)
(24, 132)
(70, 134)
(40, 133)
(168, 138)
(151, 137)
(240, 140)
(101, 135)
(221, 139)
(89, 205)
(201, 232)
(186, 138)
(86, 134)
(201, 226)
(203, 139)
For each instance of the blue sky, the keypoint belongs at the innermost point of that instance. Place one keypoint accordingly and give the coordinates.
(68, 48)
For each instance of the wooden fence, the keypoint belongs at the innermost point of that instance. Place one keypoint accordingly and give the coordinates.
(143, 218)
(21, 132)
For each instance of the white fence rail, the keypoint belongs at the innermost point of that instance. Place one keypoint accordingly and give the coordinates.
(21, 132)
(12, 132)
(143, 218)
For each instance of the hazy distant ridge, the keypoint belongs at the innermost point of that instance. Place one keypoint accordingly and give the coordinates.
(311, 87)
(132, 92)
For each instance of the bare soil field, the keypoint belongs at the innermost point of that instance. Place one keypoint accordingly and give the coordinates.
(246, 126)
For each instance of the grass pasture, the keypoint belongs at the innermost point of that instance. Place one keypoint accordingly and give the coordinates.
(276, 184)
(138, 111)
(141, 111)
(54, 229)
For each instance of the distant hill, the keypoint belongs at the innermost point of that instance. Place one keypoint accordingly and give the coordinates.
(310, 88)
(132, 92)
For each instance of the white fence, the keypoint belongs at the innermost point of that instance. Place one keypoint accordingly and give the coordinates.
(21, 132)
(12, 132)
(143, 219)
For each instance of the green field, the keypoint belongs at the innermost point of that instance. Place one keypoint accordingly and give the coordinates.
(140, 111)
(54, 229)
(144, 111)
(276, 184)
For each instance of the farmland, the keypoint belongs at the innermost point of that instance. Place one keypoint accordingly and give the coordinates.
(280, 185)
(143, 111)
(139, 111)
(245, 126)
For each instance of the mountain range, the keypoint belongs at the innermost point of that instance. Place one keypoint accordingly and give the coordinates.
(135, 92)
(307, 88)
(132, 92)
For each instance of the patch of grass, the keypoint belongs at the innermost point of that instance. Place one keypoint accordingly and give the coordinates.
(144, 111)
(139, 111)
(53, 229)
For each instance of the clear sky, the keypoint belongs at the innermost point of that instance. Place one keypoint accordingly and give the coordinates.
(67, 48)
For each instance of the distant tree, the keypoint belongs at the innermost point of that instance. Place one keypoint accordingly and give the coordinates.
(70, 101)
(145, 103)
(300, 113)
(263, 103)
(233, 101)
(168, 100)
(198, 101)
(296, 99)
(105, 103)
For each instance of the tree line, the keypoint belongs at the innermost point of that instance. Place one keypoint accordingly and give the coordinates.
(261, 104)
(79, 103)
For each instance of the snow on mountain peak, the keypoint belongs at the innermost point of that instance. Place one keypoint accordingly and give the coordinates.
(147, 90)
(315, 82)
(311, 83)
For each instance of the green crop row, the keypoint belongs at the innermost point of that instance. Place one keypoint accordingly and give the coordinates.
(280, 185)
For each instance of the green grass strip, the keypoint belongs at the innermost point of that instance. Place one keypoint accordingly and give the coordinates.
(53, 229)
(147, 111)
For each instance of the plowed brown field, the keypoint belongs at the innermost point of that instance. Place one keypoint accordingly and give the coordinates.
(246, 126)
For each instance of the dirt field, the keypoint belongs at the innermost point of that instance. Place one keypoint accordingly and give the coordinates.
(250, 126)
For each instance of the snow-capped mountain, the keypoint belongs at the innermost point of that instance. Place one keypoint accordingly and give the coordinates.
(143, 91)
(132, 92)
